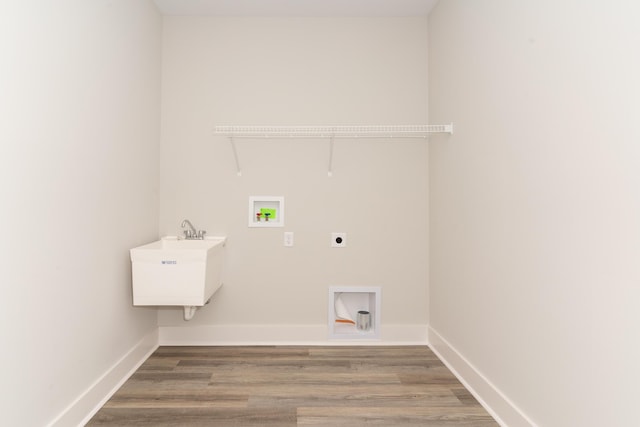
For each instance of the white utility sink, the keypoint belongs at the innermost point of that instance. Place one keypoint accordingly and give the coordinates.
(177, 272)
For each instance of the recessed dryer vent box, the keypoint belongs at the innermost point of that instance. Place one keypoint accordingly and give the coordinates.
(344, 304)
(266, 211)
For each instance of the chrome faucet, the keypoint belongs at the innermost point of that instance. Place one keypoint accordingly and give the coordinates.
(191, 233)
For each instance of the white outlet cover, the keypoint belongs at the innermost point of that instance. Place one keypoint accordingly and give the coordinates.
(288, 238)
(338, 240)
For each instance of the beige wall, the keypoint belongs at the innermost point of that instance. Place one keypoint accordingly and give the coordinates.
(79, 138)
(535, 202)
(298, 71)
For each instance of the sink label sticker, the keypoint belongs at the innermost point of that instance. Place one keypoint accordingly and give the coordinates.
(168, 262)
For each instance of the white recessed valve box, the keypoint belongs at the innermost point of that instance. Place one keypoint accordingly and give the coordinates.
(266, 211)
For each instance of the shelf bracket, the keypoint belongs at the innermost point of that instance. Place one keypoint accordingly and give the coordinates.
(330, 172)
(235, 156)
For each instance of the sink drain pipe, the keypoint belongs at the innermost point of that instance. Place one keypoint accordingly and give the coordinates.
(189, 311)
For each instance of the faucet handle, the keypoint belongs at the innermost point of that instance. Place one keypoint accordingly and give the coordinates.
(187, 234)
(201, 234)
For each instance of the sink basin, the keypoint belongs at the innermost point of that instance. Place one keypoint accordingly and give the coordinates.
(174, 271)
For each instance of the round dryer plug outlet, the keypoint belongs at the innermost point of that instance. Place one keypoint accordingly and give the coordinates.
(338, 240)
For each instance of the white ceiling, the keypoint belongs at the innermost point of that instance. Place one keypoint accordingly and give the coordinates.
(296, 7)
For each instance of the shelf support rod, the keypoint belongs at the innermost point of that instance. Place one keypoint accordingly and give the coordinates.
(330, 172)
(235, 156)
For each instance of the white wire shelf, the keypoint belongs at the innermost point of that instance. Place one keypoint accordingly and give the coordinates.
(379, 131)
(328, 132)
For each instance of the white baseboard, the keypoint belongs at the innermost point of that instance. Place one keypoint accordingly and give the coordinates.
(492, 399)
(89, 402)
(284, 335)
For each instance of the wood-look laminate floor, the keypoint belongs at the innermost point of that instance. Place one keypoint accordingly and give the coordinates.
(292, 386)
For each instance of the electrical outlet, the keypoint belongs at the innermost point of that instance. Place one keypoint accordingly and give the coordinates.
(338, 240)
(288, 238)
